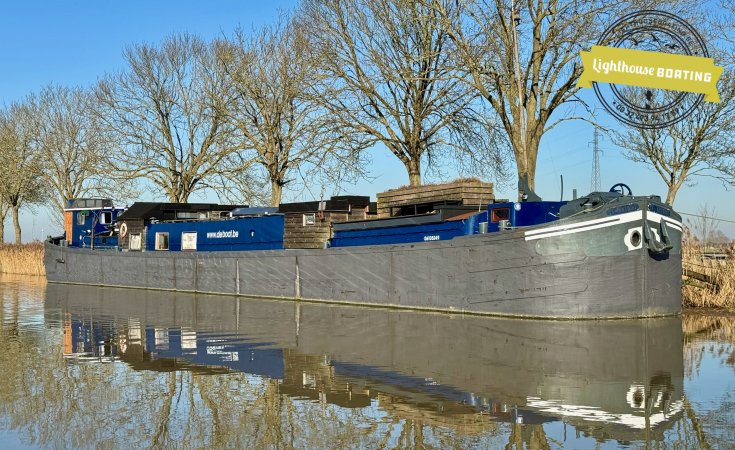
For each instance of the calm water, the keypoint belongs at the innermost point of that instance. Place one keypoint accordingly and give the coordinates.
(85, 367)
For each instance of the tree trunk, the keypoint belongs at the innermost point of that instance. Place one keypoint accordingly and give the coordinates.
(276, 192)
(2, 227)
(532, 157)
(16, 224)
(526, 161)
(414, 171)
(177, 193)
(180, 197)
(671, 194)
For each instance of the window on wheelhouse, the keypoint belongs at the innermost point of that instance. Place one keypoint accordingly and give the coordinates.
(498, 214)
(81, 217)
(162, 241)
(106, 217)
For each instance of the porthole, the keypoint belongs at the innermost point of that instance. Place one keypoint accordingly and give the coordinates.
(635, 238)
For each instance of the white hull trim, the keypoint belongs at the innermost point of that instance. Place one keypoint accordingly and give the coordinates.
(579, 227)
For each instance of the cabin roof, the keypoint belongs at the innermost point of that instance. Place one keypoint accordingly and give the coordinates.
(336, 203)
(158, 210)
(88, 203)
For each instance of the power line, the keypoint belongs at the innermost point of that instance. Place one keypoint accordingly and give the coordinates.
(715, 219)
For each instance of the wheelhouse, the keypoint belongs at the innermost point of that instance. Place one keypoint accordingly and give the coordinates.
(90, 222)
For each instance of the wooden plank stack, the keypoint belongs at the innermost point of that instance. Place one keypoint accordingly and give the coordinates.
(460, 192)
(298, 234)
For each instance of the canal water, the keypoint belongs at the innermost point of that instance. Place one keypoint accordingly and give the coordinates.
(87, 367)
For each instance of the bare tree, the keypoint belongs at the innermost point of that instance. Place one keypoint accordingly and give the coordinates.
(705, 223)
(394, 80)
(161, 113)
(75, 151)
(523, 59)
(272, 74)
(700, 145)
(21, 166)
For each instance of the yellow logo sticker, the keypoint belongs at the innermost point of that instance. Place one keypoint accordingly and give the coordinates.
(654, 70)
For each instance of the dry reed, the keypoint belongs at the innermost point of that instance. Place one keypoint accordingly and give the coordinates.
(717, 290)
(24, 259)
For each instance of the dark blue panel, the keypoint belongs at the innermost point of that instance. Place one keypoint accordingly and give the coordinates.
(243, 233)
(399, 235)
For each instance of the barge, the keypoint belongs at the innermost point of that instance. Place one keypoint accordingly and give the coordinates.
(604, 255)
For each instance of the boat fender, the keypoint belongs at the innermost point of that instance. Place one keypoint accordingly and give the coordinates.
(123, 229)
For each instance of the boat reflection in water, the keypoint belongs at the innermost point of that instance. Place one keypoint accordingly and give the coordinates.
(619, 380)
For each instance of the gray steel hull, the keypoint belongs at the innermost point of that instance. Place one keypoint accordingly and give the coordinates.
(584, 268)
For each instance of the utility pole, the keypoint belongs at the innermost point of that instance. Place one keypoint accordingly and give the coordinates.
(596, 182)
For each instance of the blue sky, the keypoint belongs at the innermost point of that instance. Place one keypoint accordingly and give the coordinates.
(76, 42)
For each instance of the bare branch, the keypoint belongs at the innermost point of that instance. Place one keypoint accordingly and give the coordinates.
(523, 59)
(700, 145)
(160, 112)
(271, 76)
(391, 76)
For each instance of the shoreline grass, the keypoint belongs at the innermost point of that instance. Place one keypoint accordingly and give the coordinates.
(23, 259)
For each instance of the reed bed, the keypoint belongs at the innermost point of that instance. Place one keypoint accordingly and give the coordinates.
(24, 259)
(713, 283)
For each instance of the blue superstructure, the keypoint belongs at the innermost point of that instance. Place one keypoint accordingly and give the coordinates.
(522, 214)
(90, 223)
(437, 231)
(243, 233)
(441, 229)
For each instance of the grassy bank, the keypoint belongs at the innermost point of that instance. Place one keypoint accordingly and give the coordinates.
(25, 259)
(711, 282)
